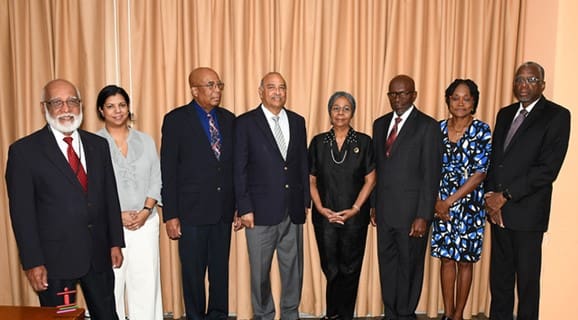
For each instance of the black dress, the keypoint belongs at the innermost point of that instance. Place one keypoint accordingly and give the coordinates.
(340, 176)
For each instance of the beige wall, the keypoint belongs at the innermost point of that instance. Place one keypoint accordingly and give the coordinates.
(551, 41)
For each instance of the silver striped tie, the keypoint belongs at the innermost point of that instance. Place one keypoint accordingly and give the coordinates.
(279, 137)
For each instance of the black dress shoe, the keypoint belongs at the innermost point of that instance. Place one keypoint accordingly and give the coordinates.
(446, 318)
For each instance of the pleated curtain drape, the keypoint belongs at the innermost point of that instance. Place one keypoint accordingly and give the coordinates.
(320, 46)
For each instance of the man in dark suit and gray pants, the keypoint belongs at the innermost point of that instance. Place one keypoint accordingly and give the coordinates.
(407, 146)
(272, 190)
(64, 206)
(529, 145)
(197, 192)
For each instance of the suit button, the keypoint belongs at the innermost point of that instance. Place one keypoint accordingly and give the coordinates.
(285, 168)
(219, 169)
(218, 188)
(500, 166)
(286, 186)
(90, 226)
(499, 186)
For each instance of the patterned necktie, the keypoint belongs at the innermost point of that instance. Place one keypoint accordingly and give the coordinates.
(278, 134)
(514, 127)
(215, 137)
(76, 165)
(391, 138)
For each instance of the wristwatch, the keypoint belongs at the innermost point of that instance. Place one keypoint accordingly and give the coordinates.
(147, 208)
(507, 195)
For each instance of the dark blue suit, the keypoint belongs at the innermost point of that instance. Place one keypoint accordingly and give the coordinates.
(265, 183)
(277, 192)
(56, 223)
(198, 190)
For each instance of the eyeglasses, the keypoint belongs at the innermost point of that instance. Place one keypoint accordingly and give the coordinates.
(529, 80)
(400, 94)
(344, 109)
(211, 85)
(57, 104)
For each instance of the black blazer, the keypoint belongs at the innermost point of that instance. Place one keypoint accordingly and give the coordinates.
(197, 188)
(265, 184)
(408, 181)
(55, 223)
(530, 164)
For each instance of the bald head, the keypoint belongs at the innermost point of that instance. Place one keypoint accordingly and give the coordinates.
(58, 85)
(401, 93)
(206, 87)
(273, 92)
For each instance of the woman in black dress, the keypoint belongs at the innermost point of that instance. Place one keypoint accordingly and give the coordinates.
(342, 176)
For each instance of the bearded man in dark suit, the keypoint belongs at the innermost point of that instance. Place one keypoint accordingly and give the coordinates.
(64, 206)
(529, 145)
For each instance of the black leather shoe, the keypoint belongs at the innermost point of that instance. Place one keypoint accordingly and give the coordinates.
(446, 318)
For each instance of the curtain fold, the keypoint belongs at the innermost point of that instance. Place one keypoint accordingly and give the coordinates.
(320, 46)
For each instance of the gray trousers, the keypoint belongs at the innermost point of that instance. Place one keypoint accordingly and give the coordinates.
(262, 241)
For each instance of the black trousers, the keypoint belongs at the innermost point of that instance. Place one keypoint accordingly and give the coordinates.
(516, 256)
(401, 266)
(98, 290)
(205, 249)
(341, 252)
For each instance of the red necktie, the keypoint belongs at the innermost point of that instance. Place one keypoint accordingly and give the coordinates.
(76, 165)
(392, 136)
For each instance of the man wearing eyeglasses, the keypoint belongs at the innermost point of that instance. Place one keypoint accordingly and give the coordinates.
(64, 206)
(408, 149)
(529, 145)
(197, 192)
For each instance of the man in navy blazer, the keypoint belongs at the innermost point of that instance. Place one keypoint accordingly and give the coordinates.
(198, 196)
(524, 164)
(272, 191)
(65, 233)
(408, 172)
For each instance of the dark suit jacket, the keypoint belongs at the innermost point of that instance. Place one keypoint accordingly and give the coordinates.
(265, 184)
(197, 188)
(530, 164)
(408, 181)
(55, 223)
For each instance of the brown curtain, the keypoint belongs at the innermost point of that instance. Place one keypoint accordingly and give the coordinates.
(320, 46)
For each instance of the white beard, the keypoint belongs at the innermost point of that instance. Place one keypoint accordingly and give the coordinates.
(64, 128)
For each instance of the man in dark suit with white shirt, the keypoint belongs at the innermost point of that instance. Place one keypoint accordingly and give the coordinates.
(407, 146)
(272, 190)
(529, 146)
(64, 206)
(198, 196)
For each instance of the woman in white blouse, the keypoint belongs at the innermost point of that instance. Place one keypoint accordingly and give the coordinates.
(138, 179)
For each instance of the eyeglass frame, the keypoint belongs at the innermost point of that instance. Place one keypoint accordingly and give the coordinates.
(400, 94)
(211, 85)
(71, 102)
(519, 80)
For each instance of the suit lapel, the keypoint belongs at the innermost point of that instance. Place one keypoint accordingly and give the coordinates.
(292, 132)
(197, 128)
(54, 155)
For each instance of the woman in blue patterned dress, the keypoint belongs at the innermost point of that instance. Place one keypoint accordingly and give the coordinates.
(458, 226)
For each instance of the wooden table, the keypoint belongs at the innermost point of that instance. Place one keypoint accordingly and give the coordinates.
(38, 313)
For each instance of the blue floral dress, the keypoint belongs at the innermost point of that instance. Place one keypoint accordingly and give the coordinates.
(461, 238)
